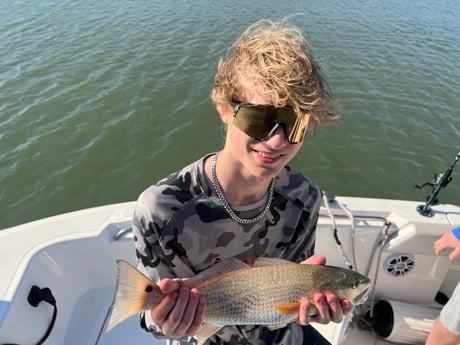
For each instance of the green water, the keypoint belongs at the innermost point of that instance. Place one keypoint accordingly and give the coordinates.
(101, 99)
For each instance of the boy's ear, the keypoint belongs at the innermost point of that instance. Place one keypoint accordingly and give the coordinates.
(225, 112)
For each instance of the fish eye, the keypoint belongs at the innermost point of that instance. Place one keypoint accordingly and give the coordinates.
(355, 284)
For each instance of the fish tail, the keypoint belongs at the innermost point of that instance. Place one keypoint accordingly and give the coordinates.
(134, 293)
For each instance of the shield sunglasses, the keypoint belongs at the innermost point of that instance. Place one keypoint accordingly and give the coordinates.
(261, 121)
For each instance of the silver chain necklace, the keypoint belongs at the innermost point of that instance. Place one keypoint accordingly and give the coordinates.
(226, 205)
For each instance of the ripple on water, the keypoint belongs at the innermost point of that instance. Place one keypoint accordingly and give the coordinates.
(98, 101)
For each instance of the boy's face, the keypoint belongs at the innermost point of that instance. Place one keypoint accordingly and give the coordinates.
(264, 159)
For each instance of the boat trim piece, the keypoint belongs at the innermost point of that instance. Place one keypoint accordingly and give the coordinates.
(4, 307)
(123, 233)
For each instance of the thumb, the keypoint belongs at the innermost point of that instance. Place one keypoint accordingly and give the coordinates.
(315, 260)
(455, 254)
(168, 285)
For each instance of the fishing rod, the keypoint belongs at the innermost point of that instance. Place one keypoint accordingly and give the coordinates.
(440, 181)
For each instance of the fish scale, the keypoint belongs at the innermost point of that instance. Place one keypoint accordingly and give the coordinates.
(251, 296)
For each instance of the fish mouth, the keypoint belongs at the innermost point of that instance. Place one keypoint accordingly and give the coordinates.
(362, 297)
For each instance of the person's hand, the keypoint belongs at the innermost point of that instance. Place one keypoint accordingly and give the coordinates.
(328, 306)
(181, 312)
(448, 240)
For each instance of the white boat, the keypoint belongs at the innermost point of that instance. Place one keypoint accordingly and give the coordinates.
(70, 259)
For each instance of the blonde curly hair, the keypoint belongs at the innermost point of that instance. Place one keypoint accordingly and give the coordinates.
(275, 58)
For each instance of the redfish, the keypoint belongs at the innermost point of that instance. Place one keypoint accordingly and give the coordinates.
(267, 293)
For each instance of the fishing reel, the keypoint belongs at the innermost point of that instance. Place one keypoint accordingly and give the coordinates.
(440, 181)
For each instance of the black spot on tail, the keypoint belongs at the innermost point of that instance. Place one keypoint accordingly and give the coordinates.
(149, 288)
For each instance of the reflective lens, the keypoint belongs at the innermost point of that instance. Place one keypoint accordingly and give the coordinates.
(261, 121)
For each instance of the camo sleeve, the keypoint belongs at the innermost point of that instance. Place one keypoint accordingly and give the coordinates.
(180, 227)
(152, 212)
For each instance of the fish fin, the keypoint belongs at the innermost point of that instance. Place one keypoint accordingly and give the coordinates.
(208, 330)
(132, 292)
(266, 261)
(216, 272)
(280, 325)
(288, 308)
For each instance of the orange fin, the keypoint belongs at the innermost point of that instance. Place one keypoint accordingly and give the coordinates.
(278, 325)
(131, 295)
(264, 261)
(215, 273)
(208, 330)
(288, 308)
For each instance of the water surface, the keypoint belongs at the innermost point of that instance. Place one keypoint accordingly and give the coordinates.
(101, 99)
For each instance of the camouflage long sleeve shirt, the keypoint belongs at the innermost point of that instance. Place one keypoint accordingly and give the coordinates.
(181, 228)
